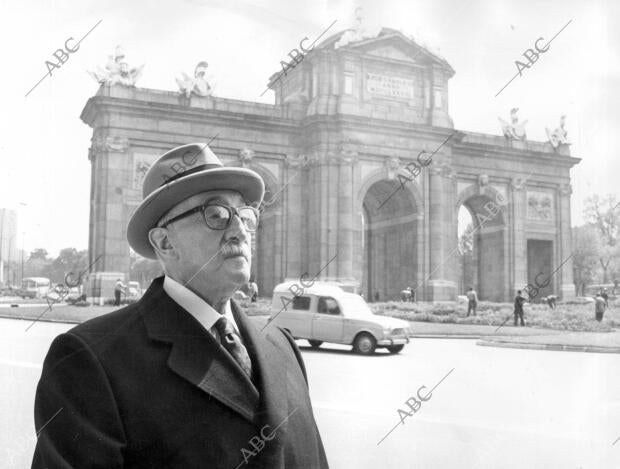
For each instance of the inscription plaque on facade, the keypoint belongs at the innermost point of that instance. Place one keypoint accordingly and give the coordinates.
(390, 86)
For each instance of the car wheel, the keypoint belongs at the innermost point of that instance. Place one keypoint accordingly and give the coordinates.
(395, 348)
(364, 344)
(315, 343)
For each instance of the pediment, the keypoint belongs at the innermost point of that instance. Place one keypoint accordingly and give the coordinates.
(394, 53)
(387, 44)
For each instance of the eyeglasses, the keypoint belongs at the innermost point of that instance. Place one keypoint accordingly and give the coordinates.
(218, 217)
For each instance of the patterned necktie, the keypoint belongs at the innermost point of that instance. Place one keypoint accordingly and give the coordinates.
(232, 343)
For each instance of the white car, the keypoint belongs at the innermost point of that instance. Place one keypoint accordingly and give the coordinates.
(324, 312)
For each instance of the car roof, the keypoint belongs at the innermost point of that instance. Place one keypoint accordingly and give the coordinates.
(317, 288)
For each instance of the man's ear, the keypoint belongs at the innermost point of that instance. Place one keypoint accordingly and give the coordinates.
(160, 241)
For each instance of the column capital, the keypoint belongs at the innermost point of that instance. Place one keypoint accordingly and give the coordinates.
(300, 160)
(106, 143)
(517, 183)
(246, 155)
(565, 190)
(110, 143)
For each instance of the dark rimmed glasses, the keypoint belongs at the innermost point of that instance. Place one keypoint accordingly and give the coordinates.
(219, 216)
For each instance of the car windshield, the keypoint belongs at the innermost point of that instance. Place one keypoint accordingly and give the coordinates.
(354, 306)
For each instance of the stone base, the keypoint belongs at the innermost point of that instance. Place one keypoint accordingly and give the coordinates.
(441, 290)
(100, 286)
(567, 291)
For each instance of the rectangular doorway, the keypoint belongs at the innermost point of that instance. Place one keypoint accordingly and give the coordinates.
(540, 266)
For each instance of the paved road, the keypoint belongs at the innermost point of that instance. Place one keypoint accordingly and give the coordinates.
(498, 408)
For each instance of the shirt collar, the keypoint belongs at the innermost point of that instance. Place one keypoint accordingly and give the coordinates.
(204, 313)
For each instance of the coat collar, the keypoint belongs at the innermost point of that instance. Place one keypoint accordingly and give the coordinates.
(197, 357)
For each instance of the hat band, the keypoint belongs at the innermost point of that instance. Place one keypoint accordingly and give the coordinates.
(196, 169)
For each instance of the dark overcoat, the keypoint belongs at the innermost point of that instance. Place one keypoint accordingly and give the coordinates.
(148, 387)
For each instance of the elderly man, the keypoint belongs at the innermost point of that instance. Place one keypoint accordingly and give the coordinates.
(182, 378)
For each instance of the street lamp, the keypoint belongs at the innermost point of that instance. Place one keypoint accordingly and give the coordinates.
(21, 280)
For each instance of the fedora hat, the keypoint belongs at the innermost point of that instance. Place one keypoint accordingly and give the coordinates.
(179, 174)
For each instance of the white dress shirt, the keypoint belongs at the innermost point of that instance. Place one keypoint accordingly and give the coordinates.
(204, 313)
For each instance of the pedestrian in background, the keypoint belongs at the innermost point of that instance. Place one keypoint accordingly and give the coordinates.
(472, 301)
(599, 307)
(118, 289)
(518, 307)
(551, 300)
(412, 290)
(605, 296)
(254, 295)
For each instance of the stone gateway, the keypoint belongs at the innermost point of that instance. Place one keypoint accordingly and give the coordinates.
(347, 126)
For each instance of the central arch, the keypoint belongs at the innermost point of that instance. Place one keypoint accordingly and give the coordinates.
(391, 237)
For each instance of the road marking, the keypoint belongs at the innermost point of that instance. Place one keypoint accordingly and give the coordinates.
(20, 364)
(23, 305)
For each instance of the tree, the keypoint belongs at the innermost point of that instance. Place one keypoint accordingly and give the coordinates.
(603, 214)
(586, 256)
(466, 251)
(38, 253)
(37, 264)
(68, 260)
(143, 270)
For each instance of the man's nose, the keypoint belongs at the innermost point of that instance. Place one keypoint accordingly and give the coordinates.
(238, 228)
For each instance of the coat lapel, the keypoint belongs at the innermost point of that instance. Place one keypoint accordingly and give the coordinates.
(270, 368)
(195, 354)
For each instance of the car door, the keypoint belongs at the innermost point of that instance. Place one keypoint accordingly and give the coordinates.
(295, 315)
(327, 322)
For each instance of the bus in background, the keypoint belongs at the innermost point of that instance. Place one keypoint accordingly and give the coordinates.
(35, 287)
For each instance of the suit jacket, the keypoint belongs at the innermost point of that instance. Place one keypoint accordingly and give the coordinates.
(147, 386)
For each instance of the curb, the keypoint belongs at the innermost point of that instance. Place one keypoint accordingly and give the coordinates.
(445, 336)
(551, 347)
(34, 319)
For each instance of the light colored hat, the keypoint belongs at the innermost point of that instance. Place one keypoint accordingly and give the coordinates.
(179, 174)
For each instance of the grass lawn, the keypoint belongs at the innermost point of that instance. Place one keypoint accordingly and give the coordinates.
(428, 318)
(566, 316)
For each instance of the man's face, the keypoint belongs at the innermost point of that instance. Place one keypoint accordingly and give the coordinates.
(221, 258)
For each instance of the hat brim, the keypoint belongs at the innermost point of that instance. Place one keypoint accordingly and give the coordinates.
(245, 181)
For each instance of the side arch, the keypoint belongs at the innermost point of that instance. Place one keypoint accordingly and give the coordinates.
(490, 221)
(390, 221)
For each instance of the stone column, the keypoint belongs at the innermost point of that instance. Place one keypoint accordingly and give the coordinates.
(346, 222)
(518, 214)
(330, 218)
(108, 215)
(295, 214)
(442, 254)
(326, 217)
(564, 276)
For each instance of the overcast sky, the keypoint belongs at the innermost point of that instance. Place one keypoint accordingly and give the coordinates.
(44, 145)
